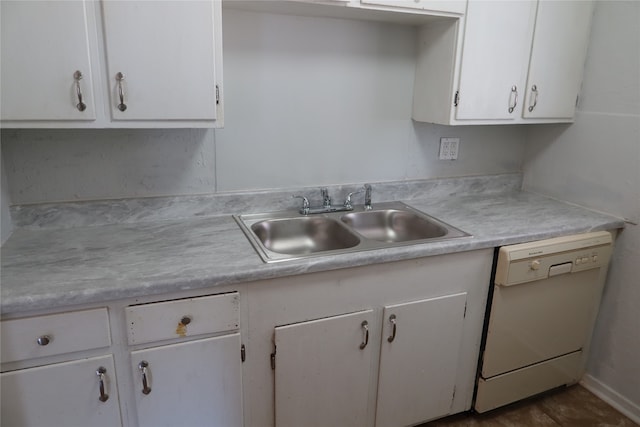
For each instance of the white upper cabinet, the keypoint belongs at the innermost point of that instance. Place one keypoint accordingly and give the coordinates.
(152, 63)
(503, 62)
(492, 80)
(450, 6)
(46, 66)
(557, 58)
(161, 59)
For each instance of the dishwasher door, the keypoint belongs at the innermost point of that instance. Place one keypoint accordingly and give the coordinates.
(544, 304)
(536, 321)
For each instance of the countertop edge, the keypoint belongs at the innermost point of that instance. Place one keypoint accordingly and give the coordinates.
(92, 296)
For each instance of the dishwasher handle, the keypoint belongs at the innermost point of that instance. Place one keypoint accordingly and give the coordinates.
(558, 269)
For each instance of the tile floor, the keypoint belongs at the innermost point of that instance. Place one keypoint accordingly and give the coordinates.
(571, 407)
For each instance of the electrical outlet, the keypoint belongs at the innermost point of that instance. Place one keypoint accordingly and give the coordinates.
(449, 148)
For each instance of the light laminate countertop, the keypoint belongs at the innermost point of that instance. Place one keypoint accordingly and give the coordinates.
(62, 267)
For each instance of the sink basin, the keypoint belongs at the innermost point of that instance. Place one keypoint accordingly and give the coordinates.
(304, 235)
(393, 225)
(287, 235)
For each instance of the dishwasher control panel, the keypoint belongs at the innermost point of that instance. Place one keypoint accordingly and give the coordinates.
(527, 262)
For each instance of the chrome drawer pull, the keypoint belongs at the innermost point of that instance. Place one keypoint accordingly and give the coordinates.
(534, 92)
(514, 93)
(119, 78)
(365, 328)
(77, 76)
(101, 378)
(142, 366)
(392, 319)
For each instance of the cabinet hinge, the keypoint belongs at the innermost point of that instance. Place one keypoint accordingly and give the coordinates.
(217, 94)
(243, 353)
(456, 98)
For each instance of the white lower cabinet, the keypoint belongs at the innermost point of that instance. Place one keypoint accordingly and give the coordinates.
(195, 383)
(384, 345)
(322, 367)
(322, 371)
(77, 393)
(420, 348)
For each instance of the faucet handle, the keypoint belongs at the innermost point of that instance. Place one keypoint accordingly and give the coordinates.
(305, 204)
(347, 201)
(367, 197)
(326, 199)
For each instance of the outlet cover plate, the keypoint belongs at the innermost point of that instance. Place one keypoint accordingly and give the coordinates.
(449, 148)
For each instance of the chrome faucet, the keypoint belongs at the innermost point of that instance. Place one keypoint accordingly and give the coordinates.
(367, 197)
(326, 203)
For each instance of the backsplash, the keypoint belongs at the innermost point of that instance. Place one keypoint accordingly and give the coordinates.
(73, 214)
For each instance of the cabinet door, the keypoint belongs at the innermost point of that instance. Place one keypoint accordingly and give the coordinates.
(419, 361)
(166, 52)
(495, 55)
(322, 371)
(43, 44)
(557, 58)
(62, 394)
(196, 383)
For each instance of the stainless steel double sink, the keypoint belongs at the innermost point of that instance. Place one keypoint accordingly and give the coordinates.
(282, 236)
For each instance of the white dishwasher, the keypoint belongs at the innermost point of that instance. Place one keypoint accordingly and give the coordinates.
(545, 301)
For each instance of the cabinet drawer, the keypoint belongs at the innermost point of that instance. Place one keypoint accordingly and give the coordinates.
(182, 318)
(54, 334)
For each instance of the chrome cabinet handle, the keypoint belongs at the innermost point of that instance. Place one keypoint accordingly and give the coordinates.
(142, 366)
(77, 76)
(119, 78)
(392, 319)
(44, 340)
(101, 377)
(514, 94)
(534, 92)
(365, 328)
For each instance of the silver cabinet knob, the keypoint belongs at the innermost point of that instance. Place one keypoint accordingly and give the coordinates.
(44, 340)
